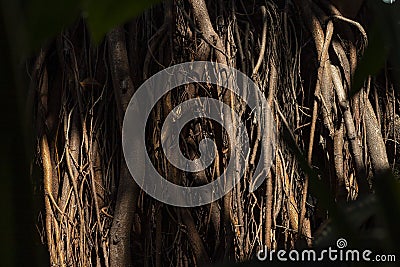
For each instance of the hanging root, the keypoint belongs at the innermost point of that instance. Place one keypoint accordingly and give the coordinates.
(303, 63)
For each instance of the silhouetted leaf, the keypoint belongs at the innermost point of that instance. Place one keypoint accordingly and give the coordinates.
(103, 15)
(46, 18)
(383, 35)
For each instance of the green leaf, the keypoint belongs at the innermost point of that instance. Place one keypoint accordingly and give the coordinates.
(103, 15)
(46, 18)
